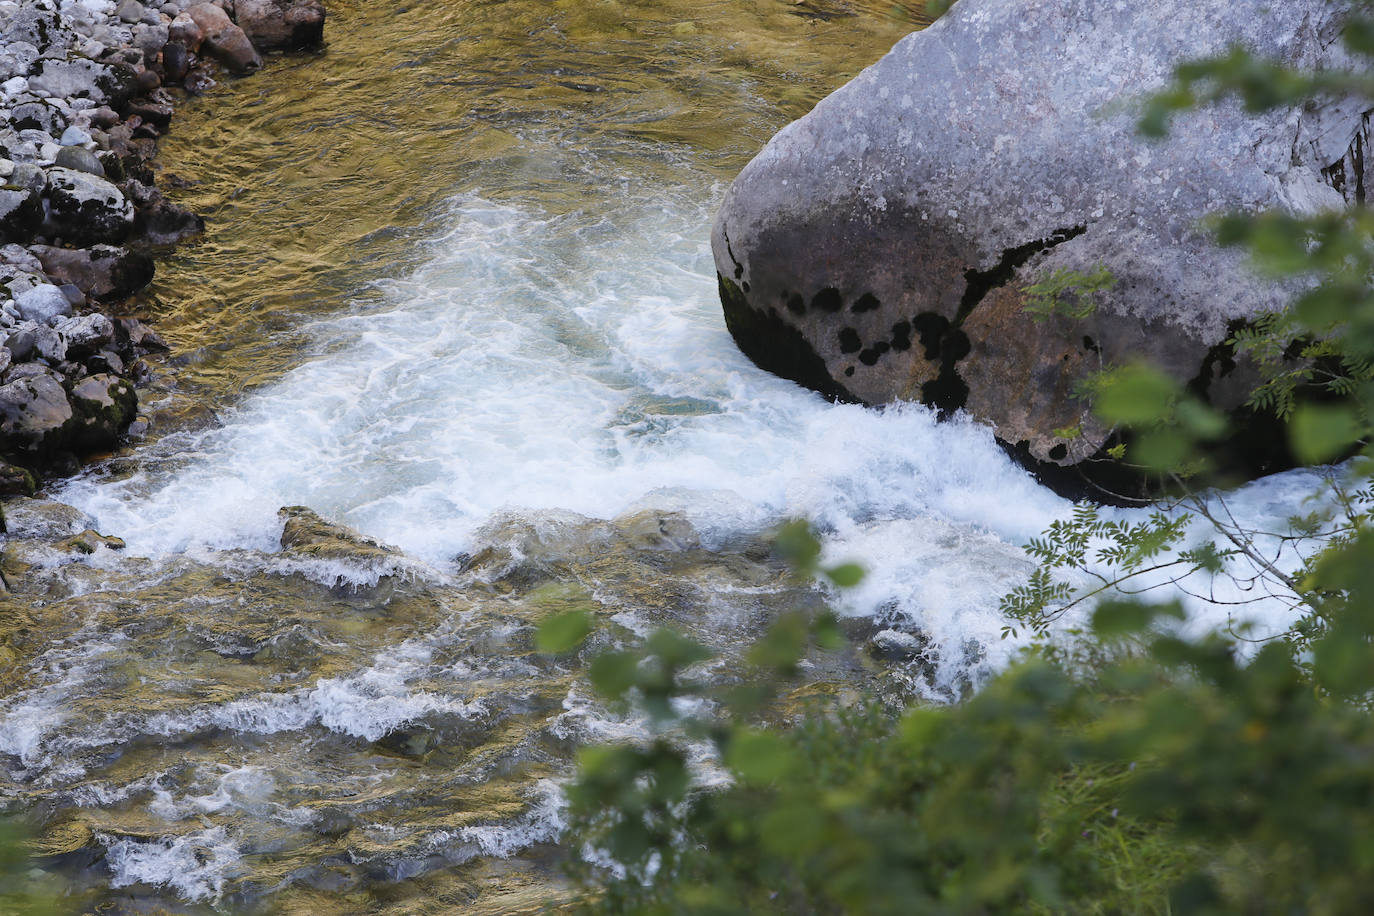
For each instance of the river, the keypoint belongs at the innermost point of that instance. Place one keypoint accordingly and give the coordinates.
(456, 293)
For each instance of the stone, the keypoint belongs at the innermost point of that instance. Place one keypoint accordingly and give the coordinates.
(305, 532)
(84, 209)
(136, 337)
(175, 61)
(37, 116)
(21, 213)
(208, 18)
(37, 28)
(19, 343)
(49, 345)
(106, 361)
(281, 24)
(103, 272)
(130, 11)
(80, 159)
(158, 219)
(74, 295)
(74, 136)
(233, 49)
(19, 256)
(42, 303)
(85, 334)
(104, 116)
(33, 412)
(880, 248)
(89, 541)
(158, 114)
(30, 176)
(16, 481)
(186, 32)
(110, 83)
(224, 39)
(150, 39)
(148, 80)
(102, 405)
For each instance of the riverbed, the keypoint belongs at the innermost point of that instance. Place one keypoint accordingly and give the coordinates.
(456, 294)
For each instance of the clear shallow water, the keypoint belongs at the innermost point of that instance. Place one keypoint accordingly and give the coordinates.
(477, 322)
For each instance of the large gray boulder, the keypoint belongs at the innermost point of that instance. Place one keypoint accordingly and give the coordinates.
(880, 248)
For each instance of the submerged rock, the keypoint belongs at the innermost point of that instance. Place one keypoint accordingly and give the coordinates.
(89, 541)
(880, 248)
(305, 532)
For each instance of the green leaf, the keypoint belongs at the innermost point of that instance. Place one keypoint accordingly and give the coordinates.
(563, 632)
(1321, 432)
(846, 575)
(1112, 619)
(1135, 395)
(1162, 449)
(1201, 421)
(760, 757)
(798, 546)
(614, 673)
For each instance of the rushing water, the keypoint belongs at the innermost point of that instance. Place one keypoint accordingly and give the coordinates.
(457, 294)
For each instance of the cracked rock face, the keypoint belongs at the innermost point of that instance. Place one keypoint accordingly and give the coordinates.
(880, 248)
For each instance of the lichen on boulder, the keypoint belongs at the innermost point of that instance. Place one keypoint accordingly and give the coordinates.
(880, 249)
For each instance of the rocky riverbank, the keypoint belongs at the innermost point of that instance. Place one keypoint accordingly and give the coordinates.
(86, 89)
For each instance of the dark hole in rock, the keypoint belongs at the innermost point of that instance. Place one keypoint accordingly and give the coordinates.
(828, 300)
(901, 336)
(865, 303)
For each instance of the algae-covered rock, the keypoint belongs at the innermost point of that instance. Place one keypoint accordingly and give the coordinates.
(102, 405)
(305, 532)
(89, 541)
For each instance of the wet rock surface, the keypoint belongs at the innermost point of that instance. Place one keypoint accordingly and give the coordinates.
(880, 248)
(85, 91)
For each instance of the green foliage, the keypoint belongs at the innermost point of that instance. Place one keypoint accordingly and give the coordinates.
(1069, 293)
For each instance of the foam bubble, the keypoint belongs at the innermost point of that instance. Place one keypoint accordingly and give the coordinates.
(196, 866)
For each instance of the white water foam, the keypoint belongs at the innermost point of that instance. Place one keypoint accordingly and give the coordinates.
(542, 364)
(576, 363)
(196, 865)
